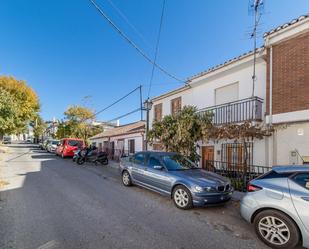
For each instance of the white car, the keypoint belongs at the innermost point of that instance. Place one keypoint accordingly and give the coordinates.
(277, 204)
(52, 146)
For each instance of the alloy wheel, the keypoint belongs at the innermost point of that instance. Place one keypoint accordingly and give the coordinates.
(274, 230)
(126, 178)
(181, 197)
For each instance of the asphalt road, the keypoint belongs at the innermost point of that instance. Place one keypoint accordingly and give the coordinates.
(48, 202)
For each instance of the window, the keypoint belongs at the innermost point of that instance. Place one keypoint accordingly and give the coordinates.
(131, 146)
(153, 162)
(77, 143)
(175, 105)
(226, 94)
(158, 112)
(178, 162)
(302, 180)
(139, 158)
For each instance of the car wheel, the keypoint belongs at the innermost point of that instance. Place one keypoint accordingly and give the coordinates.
(276, 229)
(126, 179)
(182, 197)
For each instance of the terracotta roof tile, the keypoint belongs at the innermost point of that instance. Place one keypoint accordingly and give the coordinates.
(121, 130)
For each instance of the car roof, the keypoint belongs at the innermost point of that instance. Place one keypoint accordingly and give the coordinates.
(158, 153)
(70, 138)
(291, 168)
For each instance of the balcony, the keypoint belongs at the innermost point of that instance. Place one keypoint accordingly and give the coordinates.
(249, 109)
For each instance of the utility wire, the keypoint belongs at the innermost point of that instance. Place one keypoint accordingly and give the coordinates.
(124, 115)
(124, 17)
(124, 36)
(117, 101)
(112, 104)
(156, 51)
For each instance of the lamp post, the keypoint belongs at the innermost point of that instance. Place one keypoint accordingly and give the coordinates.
(147, 108)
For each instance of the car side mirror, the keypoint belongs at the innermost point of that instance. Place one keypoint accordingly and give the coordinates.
(158, 167)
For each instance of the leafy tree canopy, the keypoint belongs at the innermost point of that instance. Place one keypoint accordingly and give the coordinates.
(19, 105)
(181, 132)
(79, 123)
(39, 126)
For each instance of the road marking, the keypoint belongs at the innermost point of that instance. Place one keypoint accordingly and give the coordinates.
(48, 245)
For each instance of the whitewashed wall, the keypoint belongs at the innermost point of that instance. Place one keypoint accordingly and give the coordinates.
(202, 91)
(138, 137)
(289, 138)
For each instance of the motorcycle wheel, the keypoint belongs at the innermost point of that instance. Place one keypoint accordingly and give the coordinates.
(104, 162)
(80, 161)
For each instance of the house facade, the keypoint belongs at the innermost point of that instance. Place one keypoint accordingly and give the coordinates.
(287, 85)
(227, 91)
(121, 140)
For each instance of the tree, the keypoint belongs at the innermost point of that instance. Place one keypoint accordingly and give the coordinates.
(79, 123)
(8, 113)
(180, 133)
(19, 105)
(39, 126)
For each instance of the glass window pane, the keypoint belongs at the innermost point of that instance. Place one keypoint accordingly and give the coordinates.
(302, 180)
(139, 158)
(153, 162)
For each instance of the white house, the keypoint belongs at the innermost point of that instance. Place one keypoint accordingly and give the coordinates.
(121, 140)
(280, 99)
(227, 90)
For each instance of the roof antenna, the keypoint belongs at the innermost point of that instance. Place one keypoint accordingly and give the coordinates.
(256, 7)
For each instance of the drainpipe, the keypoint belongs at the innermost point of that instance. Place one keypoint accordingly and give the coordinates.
(270, 85)
(273, 147)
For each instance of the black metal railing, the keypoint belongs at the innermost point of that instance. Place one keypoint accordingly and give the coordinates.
(249, 109)
(239, 174)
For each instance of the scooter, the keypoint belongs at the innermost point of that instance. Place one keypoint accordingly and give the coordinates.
(88, 155)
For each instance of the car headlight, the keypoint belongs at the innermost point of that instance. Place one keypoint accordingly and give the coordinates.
(198, 189)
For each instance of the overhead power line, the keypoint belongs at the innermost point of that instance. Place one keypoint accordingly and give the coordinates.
(112, 104)
(124, 115)
(124, 36)
(156, 50)
(124, 17)
(117, 101)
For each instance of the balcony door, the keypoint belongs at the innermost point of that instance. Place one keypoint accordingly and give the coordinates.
(223, 95)
(207, 156)
(226, 94)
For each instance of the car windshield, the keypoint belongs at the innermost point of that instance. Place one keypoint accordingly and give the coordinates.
(55, 142)
(178, 162)
(77, 143)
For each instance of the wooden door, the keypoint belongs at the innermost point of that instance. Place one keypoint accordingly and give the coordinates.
(207, 155)
(235, 157)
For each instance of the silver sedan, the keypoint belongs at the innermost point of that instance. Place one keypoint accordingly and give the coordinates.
(277, 203)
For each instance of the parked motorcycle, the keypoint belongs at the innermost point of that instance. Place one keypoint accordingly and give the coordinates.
(88, 155)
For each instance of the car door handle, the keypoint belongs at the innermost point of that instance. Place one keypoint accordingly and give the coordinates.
(305, 198)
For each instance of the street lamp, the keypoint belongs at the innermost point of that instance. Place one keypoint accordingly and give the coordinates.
(147, 107)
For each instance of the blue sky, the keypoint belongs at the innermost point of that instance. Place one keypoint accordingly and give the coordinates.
(65, 50)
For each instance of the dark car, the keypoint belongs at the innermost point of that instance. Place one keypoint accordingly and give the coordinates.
(176, 176)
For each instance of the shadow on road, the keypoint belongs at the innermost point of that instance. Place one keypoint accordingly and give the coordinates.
(44, 156)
